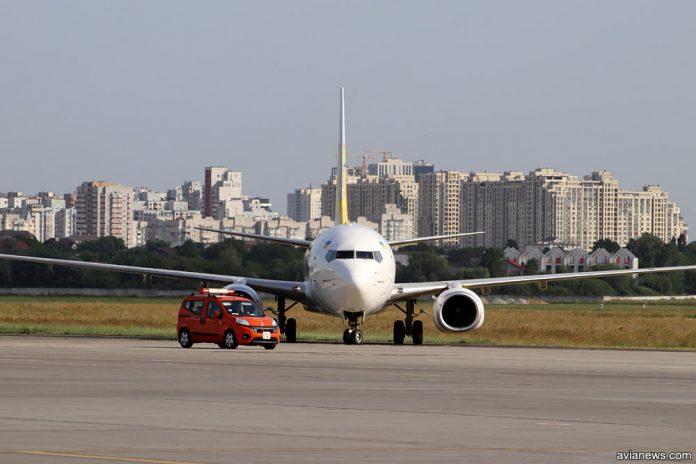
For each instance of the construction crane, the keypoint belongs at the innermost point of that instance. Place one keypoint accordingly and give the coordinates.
(372, 156)
(385, 154)
(364, 157)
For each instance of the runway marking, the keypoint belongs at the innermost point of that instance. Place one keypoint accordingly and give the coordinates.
(95, 457)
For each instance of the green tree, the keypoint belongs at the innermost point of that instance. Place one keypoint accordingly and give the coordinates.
(681, 242)
(532, 266)
(494, 260)
(647, 247)
(609, 245)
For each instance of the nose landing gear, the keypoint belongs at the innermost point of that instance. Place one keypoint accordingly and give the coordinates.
(353, 335)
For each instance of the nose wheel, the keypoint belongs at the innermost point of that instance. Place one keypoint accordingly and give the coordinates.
(353, 335)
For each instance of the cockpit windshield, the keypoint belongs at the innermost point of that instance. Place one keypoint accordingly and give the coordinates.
(353, 254)
(242, 308)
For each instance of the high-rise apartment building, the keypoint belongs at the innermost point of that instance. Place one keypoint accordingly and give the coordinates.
(647, 211)
(421, 167)
(368, 197)
(222, 193)
(65, 220)
(396, 225)
(304, 204)
(391, 167)
(550, 206)
(389, 182)
(105, 209)
(439, 204)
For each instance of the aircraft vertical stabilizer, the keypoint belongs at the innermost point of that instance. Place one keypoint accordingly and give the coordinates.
(341, 212)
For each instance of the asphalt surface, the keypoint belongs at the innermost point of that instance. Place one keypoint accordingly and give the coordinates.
(109, 400)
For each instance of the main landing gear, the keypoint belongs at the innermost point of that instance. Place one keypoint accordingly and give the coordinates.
(408, 327)
(353, 335)
(286, 326)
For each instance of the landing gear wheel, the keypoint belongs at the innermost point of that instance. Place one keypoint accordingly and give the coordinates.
(356, 337)
(291, 330)
(399, 332)
(417, 332)
(270, 347)
(230, 340)
(346, 337)
(185, 339)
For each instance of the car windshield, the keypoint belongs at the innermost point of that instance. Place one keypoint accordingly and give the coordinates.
(242, 308)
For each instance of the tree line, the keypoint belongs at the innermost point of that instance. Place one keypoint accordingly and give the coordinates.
(263, 260)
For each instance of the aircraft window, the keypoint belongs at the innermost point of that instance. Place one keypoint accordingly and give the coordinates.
(378, 256)
(345, 254)
(364, 255)
(331, 255)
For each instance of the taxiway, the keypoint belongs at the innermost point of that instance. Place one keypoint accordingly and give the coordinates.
(142, 401)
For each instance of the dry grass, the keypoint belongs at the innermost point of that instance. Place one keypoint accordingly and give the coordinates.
(584, 325)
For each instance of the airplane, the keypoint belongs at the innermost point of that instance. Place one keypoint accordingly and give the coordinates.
(350, 273)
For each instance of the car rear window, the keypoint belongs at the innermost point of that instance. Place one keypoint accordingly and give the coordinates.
(195, 306)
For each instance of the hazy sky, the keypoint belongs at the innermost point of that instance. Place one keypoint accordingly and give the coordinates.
(151, 92)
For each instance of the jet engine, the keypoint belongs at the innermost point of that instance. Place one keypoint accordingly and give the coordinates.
(458, 310)
(246, 292)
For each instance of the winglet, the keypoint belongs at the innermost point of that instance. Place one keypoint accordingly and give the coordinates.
(341, 211)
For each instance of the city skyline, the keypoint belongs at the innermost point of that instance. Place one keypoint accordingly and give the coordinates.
(397, 198)
(145, 96)
(280, 206)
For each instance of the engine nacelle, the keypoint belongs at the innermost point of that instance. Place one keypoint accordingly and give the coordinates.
(458, 310)
(246, 292)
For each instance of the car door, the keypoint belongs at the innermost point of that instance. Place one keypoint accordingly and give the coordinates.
(193, 316)
(212, 322)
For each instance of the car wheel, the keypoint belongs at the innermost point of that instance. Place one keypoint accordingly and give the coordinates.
(185, 339)
(230, 340)
(399, 332)
(270, 347)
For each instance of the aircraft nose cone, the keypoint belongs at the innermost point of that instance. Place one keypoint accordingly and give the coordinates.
(357, 286)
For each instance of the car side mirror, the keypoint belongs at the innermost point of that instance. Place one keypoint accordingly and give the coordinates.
(217, 313)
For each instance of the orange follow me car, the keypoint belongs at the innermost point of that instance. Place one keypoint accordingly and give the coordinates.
(223, 317)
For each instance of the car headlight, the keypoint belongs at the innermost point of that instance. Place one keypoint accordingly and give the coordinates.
(241, 321)
(274, 323)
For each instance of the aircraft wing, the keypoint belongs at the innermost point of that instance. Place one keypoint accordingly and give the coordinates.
(293, 290)
(432, 238)
(268, 238)
(405, 291)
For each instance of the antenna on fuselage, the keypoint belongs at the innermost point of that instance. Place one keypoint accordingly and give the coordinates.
(341, 211)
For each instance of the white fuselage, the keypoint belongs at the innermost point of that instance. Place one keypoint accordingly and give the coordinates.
(350, 268)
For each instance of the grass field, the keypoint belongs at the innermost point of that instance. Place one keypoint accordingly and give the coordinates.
(617, 325)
